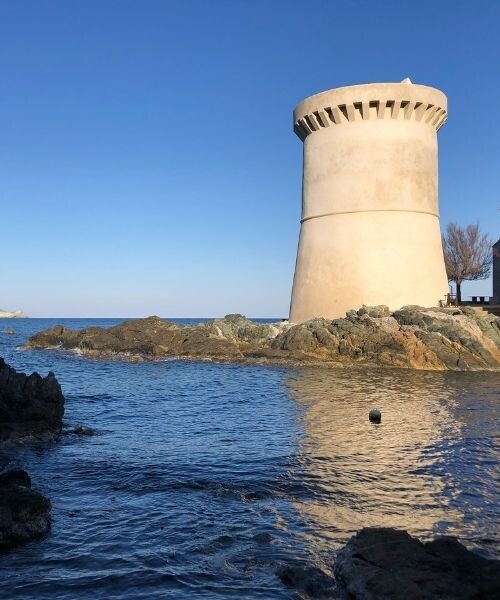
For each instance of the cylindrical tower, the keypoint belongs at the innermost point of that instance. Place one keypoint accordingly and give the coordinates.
(370, 219)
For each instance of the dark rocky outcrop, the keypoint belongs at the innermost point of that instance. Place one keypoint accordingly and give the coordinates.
(413, 337)
(79, 430)
(24, 512)
(308, 580)
(386, 563)
(30, 405)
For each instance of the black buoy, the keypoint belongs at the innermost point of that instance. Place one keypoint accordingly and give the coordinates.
(375, 415)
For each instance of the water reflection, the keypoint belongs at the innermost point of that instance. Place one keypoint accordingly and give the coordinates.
(408, 472)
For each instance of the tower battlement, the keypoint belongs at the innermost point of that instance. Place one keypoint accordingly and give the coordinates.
(370, 102)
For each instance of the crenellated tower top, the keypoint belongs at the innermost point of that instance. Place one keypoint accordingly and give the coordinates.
(403, 101)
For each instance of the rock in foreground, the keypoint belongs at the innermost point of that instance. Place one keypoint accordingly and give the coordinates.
(24, 512)
(30, 405)
(413, 337)
(386, 563)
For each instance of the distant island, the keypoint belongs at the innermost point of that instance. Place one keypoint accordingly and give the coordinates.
(16, 314)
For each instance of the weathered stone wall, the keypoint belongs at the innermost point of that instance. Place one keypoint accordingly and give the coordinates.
(370, 220)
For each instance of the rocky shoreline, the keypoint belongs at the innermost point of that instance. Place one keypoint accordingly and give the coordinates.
(389, 563)
(457, 339)
(382, 562)
(24, 512)
(31, 406)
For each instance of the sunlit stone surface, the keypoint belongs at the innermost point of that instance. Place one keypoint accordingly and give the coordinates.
(370, 217)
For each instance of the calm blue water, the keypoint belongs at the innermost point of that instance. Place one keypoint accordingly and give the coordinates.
(204, 478)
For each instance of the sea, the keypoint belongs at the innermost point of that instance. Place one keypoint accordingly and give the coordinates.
(210, 480)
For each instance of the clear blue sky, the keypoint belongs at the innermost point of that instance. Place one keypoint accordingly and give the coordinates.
(147, 160)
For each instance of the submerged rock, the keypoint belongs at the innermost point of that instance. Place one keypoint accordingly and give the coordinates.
(82, 430)
(24, 512)
(413, 337)
(30, 405)
(387, 563)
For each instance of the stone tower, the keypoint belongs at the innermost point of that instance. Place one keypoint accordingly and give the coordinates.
(370, 219)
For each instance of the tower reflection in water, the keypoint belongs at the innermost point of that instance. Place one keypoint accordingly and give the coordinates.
(416, 470)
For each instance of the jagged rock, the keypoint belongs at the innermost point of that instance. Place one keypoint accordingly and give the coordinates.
(488, 324)
(413, 337)
(386, 563)
(238, 328)
(29, 404)
(374, 311)
(15, 477)
(309, 581)
(297, 338)
(24, 512)
(82, 430)
(4, 461)
(457, 338)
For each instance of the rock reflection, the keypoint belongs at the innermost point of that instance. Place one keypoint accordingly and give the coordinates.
(359, 474)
